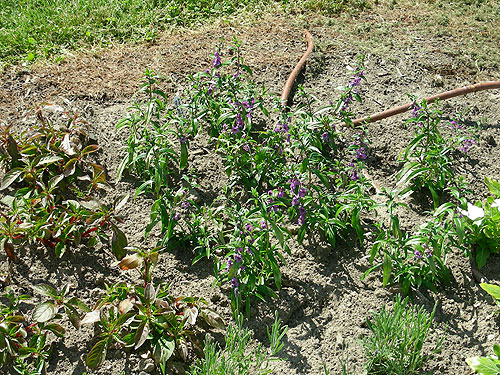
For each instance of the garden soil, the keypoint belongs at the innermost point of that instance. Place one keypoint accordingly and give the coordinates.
(323, 300)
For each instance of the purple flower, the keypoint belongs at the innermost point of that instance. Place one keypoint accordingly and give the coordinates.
(217, 62)
(238, 250)
(360, 153)
(355, 176)
(302, 192)
(294, 182)
(246, 148)
(176, 217)
(238, 258)
(466, 144)
(236, 74)
(263, 224)
(302, 215)
(295, 201)
(248, 227)
(185, 204)
(228, 265)
(415, 109)
(281, 192)
(325, 137)
(211, 89)
(182, 140)
(418, 254)
(234, 283)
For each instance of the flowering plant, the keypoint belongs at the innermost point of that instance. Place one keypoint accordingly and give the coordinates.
(481, 223)
(418, 259)
(427, 158)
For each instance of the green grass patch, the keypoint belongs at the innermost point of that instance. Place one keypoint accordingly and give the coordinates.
(34, 29)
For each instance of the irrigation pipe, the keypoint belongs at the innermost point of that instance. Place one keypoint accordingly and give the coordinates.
(297, 69)
(488, 85)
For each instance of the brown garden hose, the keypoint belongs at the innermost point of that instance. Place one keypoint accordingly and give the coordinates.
(488, 85)
(297, 69)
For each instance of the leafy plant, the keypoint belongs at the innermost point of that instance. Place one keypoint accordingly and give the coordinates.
(25, 347)
(146, 315)
(481, 223)
(397, 339)
(427, 159)
(488, 365)
(239, 357)
(51, 182)
(418, 259)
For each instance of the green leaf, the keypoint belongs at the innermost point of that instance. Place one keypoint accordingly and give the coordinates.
(387, 267)
(482, 256)
(97, 355)
(45, 312)
(492, 290)
(493, 186)
(10, 177)
(118, 242)
(60, 249)
(184, 156)
(45, 290)
(484, 365)
(496, 350)
(57, 329)
(279, 234)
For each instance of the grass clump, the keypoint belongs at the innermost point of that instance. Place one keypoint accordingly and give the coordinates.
(236, 358)
(397, 340)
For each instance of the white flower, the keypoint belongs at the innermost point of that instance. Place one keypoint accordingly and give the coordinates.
(496, 203)
(473, 212)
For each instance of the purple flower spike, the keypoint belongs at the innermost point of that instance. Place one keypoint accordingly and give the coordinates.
(228, 265)
(325, 137)
(217, 62)
(238, 258)
(246, 148)
(176, 217)
(185, 204)
(235, 283)
(182, 140)
(418, 254)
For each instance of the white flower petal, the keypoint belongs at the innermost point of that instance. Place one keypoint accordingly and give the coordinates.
(474, 212)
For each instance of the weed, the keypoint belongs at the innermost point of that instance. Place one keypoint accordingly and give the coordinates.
(397, 340)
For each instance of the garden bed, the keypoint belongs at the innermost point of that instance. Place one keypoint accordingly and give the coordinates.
(322, 297)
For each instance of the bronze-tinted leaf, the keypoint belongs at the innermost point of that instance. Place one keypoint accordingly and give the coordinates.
(141, 334)
(9, 250)
(12, 148)
(45, 312)
(212, 318)
(91, 317)
(190, 314)
(118, 242)
(149, 293)
(130, 262)
(125, 306)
